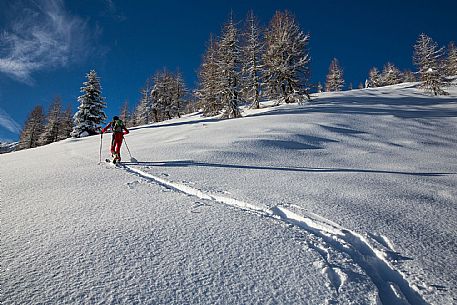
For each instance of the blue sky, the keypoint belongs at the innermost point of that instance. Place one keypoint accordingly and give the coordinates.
(47, 46)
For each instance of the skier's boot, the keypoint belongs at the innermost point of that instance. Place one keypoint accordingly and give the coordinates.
(117, 158)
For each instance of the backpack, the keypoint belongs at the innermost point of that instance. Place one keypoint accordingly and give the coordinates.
(117, 126)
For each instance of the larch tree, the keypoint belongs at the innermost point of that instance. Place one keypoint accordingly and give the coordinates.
(162, 95)
(179, 93)
(124, 115)
(228, 63)
(191, 105)
(53, 123)
(65, 124)
(391, 75)
(32, 130)
(408, 76)
(252, 50)
(374, 78)
(143, 112)
(286, 59)
(168, 95)
(90, 111)
(451, 63)
(428, 59)
(208, 91)
(335, 80)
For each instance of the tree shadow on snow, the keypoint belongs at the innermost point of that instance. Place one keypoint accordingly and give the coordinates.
(302, 142)
(190, 163)
(401, 107)
(162, 124)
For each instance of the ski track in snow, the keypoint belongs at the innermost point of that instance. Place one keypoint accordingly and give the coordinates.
(392, 286)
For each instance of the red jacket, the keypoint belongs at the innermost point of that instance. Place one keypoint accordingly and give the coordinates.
(110, 126)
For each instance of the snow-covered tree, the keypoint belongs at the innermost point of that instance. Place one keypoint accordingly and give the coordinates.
(90, 111)
(124, 115)
(334, 81)
(143, 113)
(428, 59)
(286, 59)
(374, 78)
(209, 91)
(66, 124)
(391, 75)
(360, 86)
(168, 95)
(162, 93)
(451, 64)
(409, 76)
(53, 123)
(219, 76)
(319, 88)
(179, 93)
(228, 69)
(191, 104)
(32, 130)
(252, 50)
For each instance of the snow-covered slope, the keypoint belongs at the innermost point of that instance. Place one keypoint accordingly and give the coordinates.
(350, 199)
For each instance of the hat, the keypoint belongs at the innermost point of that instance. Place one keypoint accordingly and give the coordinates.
(115, 118)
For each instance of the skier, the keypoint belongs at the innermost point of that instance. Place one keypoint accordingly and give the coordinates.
(119, 130)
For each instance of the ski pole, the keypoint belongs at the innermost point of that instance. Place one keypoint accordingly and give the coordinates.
(101, 144)
(128, 148)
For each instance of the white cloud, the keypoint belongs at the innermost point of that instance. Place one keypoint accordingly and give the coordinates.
(42, 35)
(7, 122)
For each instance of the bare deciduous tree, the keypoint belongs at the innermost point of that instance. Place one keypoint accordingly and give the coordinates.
(335, 80)
(32, 130)
(286, 59)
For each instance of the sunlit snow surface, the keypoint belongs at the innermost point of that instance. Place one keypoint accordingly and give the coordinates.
(348, 199)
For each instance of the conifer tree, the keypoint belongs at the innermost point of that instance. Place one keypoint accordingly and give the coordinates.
(53, 123)
(208, 92)
(320, 88)
(65, 124)
(32, 130)
(168, 95)
(90, 111)
(179, 92)
(409, 76)
(374, 79)
(124, 115)
(252, 68)
(143, 113)
(428, 59)
(286, 59)
(162, 93)
(451, 64)
(228, 70)
(360, 86)
(391, 75)
(335, 81)
(192, 104)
